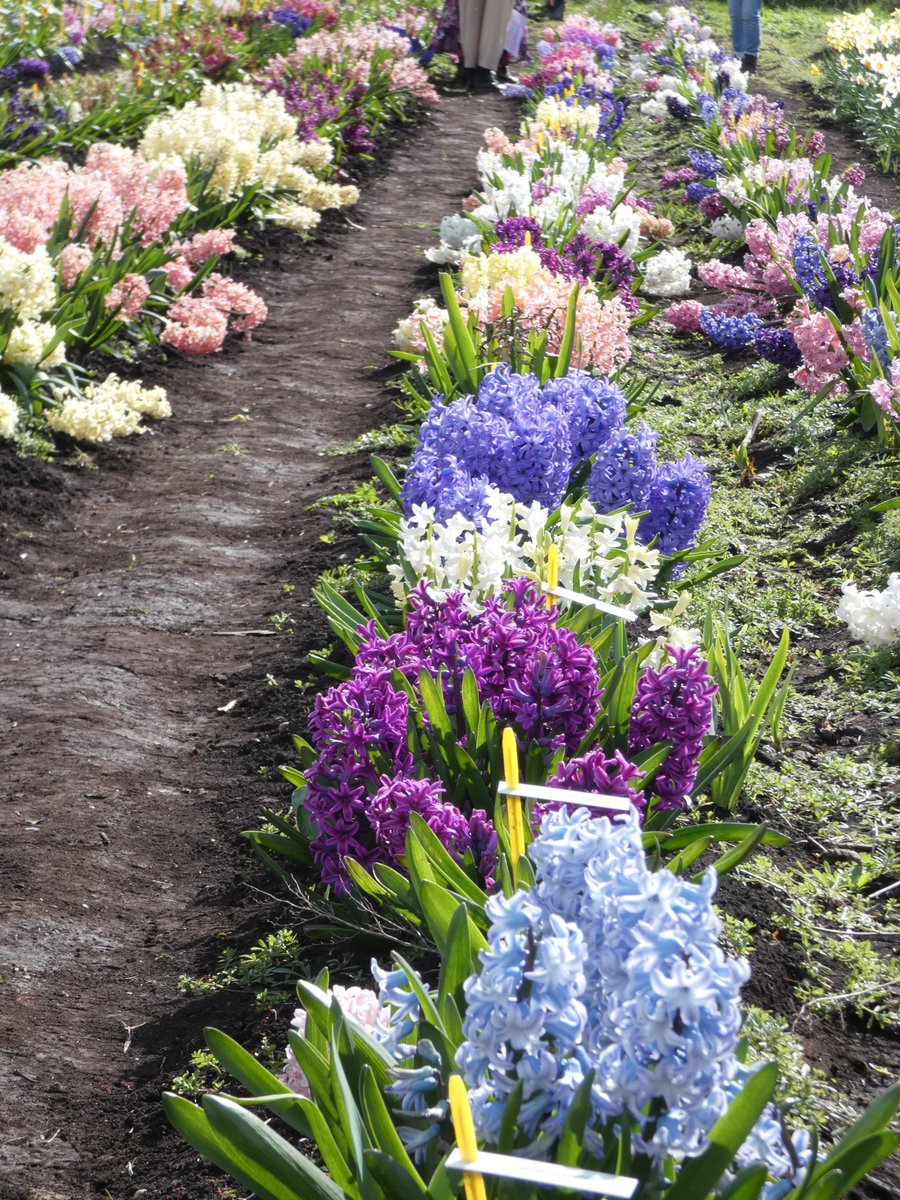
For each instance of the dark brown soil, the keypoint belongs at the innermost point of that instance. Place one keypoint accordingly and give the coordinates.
(134, 615)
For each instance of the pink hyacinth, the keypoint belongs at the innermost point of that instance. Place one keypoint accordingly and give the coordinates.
(245, 307)
(684, 316)
(127, 298)
(179, 273)
(73, 259)
(213, 243)
(195, 326)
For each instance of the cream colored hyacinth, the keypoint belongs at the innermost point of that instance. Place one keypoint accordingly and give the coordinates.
(9, 416)
(248, 139)
(108, 410)
(27, 346)
(27, 281)
(554, 116)
(481, 272)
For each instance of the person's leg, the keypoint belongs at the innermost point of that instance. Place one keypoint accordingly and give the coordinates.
(493, 32)
(752, 26)
(736, 16)
(471, 17)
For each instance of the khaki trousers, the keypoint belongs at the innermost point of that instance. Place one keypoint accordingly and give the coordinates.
(482, 26)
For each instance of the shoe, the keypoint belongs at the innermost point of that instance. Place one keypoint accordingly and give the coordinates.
(556, 11)
(480, 80)
(748, 63)
(503, 75)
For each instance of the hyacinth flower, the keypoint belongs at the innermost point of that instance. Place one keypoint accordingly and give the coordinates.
(599, 1011)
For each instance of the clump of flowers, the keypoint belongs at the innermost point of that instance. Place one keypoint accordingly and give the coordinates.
(608, 966)
(597, 553)
(674, 703)
(364, 781)
(872, 616)
(245, 139)
(358, 1004)
(113, 408)
(667, 273)
(9, 416)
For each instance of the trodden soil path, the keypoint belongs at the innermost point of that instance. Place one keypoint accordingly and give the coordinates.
(123, 785)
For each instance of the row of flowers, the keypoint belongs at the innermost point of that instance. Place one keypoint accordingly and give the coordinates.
(583, 998)
(122, 252)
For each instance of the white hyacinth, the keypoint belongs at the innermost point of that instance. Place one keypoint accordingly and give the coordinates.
(598, 554)
(872, 617)
(9, 416)
(667, 273)
(109, 409)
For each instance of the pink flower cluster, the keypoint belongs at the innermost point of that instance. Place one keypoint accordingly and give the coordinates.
(602, 340)
(886, 392)
(823, 348)
(128, 296)
(355, 54)
(111, 192)
(198, 324)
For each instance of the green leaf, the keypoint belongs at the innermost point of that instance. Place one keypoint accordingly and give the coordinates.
(567, 343)
(327, 1145)
(394, 1181)
(386, 476)
(456, 962)
(275, 1169)
(439, 908)
(443, 863)
(855, 1161)
(734, 857)
(254, 1077)
(509, 1121)
(572, 1137)
(384, 1132)
(722, 831)
(747, 1184)
(698, 1176)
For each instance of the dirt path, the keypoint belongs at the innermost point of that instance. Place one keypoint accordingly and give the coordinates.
(124, 785)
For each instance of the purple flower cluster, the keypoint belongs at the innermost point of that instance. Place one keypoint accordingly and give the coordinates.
(595, 772)
(810, 261)
(365, 782)
(316, 98)
(671, 179)
(732, 333)
(778, 346)
(673, 704)
(294, 21)
(677, 501)
(698, 191)
(623, 469)
(683, 110)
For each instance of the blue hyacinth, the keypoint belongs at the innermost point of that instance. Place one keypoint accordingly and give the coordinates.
(732, 333)
(607, 966)
(875, 333)
(678, 499)
(698, 190)
(705, 162)
(623, 469)
(595, 407)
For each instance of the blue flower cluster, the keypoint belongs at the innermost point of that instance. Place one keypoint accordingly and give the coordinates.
(698, 190)
(732, 333)
(515, 436)
(526, 440)
(875, 333)
(608, 966)
(297, 24)
(709, 110)
(705, 164)
(677, 500)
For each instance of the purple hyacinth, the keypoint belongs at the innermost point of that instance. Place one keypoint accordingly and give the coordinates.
(681, 109)
(677, 501)
(389, 811)
(624, 469)
(698, 191)
(671, 179)
(809, 263)
(705, 164)
(673, 704)
(778, 346)
(594, 772)
(32, 68)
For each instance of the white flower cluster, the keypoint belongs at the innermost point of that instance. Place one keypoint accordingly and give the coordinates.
(732, 189)
(9, 416)
(407, 336)
(247, 139)
(598, 554)
(620, 225)
(107, 410)
(27, 281)
(667, 273)
(458, 235)
(727, 229)
(872, 617)
(27, 343)
(553, 116)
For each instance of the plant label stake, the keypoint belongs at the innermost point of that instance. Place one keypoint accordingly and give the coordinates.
(475, 1163)
(550, 795)
(464, 1128)
(552, 585)
(555, 592)
(511, 791)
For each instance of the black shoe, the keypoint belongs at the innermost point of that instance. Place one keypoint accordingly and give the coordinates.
(748, 63)
(480, 80)
(557, 10)
(503, 75)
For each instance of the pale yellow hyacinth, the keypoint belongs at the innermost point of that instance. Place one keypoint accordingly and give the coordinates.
(107, 410)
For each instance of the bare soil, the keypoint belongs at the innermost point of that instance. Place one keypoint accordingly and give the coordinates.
(134, 716)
